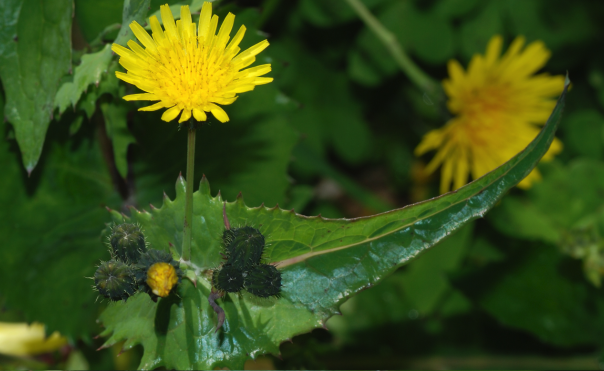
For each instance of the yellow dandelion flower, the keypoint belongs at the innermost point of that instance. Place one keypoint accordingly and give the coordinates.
(22, 339)
(498, 105)
(190, 69)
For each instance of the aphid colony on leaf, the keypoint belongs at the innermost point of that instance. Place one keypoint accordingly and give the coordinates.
(243, 268)
(133, 268)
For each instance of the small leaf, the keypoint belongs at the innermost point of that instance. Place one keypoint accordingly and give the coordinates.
(93, 66)
(35, 53)
(322, 261)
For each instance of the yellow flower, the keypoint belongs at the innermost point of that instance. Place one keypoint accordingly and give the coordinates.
(188, 68)
(161, 277)
(22, 339)
(498, 104)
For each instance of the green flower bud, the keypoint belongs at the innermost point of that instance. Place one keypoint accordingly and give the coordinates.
(114, 280)
(127, 242)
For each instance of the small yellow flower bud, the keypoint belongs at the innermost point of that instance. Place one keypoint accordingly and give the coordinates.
(161, 277)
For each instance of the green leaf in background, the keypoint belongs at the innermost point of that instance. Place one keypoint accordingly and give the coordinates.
(574, 222)
(92, 17)
(50, 239)
(539, 295)
(35, 53)
(117, 129)
(323, 262)
(424, 34)
(584, 133)
(577, 190)
(134, 10)
(93, 66)
(475, 33)
(250, 154)
(331, 13)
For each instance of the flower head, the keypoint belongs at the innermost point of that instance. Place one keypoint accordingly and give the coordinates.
(498, 104)
(161, 277)
(190, 69)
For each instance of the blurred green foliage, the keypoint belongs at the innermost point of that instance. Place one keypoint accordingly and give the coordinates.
(333, 134)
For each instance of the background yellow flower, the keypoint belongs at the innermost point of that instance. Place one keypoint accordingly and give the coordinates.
(189, 69)
(498, 104)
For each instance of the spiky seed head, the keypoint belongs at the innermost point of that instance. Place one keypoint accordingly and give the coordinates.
(228, 278)
(263, 280)
(127, 242)
(244, 247)
(114, 280)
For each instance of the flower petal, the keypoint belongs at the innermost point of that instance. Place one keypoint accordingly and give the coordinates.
(171, 113)
(218, 112)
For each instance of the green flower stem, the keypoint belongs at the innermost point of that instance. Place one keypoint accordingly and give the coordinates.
(417, 76)
(188, 231)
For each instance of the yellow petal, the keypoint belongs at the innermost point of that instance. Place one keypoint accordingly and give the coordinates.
(237, 39)
(145, 96)
(171, 113)
(168, 20)
(204, 22)
(225, 31)
(158, 32)
(143, 37)
(199, 115)
(186, 114)
(254, 71)
(223, 101)
(218, 113)
(153, 107)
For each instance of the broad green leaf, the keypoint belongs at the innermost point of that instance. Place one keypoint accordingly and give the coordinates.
(35, 53)
(93, 66)
(323, 262)
(117, 129)
(49, 239)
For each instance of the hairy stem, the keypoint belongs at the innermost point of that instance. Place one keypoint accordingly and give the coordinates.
(186, 242)
(415, 74)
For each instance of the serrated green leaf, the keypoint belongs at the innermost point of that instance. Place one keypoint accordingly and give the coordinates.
(323, 262)
(90, 71)
(50, 242)
(35, 53)
(117, 129)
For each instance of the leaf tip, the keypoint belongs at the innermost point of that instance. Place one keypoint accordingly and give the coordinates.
(181, 185)
(204, 185)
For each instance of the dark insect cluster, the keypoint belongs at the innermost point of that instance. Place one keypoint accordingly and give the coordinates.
(134, 268)
(243, 268)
